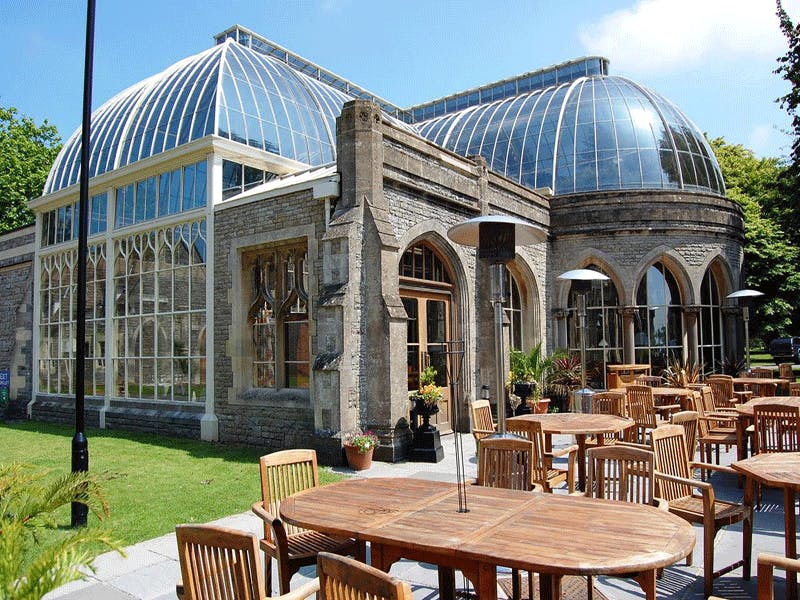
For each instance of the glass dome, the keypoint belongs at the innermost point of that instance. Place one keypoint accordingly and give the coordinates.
(592, 134)
(229, 90)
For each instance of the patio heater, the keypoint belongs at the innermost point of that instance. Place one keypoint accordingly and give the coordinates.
(581, 280)
(745, 297)
(496, 237)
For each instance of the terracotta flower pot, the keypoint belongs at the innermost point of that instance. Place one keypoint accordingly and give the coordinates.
(356, 460)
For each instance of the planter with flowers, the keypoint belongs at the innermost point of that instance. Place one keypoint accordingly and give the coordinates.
(358, 447)
(426, 446)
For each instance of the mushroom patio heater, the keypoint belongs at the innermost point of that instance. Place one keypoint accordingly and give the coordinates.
(745, 296)
(581, 280)
(496, 237)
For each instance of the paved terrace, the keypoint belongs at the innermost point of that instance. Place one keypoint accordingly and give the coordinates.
(151, 568)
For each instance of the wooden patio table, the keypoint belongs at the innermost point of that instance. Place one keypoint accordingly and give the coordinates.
(420, 520)
(667, 395)
(740, 382)
(774, 469)
(627, 373)
(580, 425)
(745, 411)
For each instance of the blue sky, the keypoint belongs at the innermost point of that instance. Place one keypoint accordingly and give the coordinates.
(713, 58)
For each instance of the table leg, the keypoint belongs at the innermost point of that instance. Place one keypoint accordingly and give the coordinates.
(647, 581)
(447, 583)
(549, 586)
(581, 440)
(791, 540)
(747, 528)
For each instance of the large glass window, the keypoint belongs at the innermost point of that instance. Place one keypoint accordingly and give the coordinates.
(603, 328)
(278, 316)
(61, 224)
(710, 326)
(58, 317)
(658, 330)
(159, 314)
(236, 178)
(169, 193)
(513, 308)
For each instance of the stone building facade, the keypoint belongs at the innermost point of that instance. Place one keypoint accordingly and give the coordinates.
(277, 271)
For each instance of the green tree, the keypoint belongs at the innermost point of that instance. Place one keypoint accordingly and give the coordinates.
(770, 258)
(27, 152)
(786, 206)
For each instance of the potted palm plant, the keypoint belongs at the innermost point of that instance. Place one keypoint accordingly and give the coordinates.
(528, 378)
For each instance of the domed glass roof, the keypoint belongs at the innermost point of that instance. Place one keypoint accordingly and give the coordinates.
(591, 134)
(229, 90)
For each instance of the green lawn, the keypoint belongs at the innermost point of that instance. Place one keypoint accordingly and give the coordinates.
(152, 483)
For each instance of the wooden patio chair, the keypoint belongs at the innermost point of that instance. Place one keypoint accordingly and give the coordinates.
(767, 563)
(761, 373)
(641, 408)
(649, 380)
(776, 428)
(786, 371)
(482, 421)
(608, 403)
(342, 578)
(218, 563)
(626, 474)
(688, 419)
(763, 390)
(506, 463)
(282, 474)
(794, 389)
(724, 395)
(675, 484)
(542, 471)
(715, 428)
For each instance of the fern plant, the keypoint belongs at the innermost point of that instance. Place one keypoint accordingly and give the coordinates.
(31, 563)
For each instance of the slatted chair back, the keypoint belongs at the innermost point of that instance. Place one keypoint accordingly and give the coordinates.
(670, 456)
(342, 578)
(218, 563)
(641, 408)
(763, 390)
(620, 473)
(722, 390)
(285, 473)
(761, 373)
(649, 380)
(542, 471)
(689, 420)
(482, 422)
(696, 404)
(777, 428)
(609, 403)
(505, 463)
(794, 389)
(786, 371)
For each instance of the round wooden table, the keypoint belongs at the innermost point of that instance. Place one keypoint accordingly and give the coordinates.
(782, 470)
(580, 425)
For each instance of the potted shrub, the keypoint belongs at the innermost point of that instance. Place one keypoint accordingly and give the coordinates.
(528, 378)
(426, 445)
(358, 447)
(681, 373)
(564, 378)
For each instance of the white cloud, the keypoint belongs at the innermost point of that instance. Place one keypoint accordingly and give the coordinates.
(763, 140)
(676, 34)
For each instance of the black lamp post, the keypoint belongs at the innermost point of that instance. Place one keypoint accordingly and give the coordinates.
(582, 284)
(745, 296)
(80, 445)
(496, 237)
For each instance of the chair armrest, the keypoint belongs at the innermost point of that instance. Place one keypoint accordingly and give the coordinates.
(661, 504)
(537, 488)
(309, 588)
(635, 445)
(259, 510)
(710, 467)
(564, 451)
(480, 433)
(692, 482)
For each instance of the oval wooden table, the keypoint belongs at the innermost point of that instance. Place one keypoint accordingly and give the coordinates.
(782, 470)
(551, 534)
(580, 425)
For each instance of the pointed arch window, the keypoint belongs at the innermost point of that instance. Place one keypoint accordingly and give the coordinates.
(658, 329)
(278, 316)
(710, 329)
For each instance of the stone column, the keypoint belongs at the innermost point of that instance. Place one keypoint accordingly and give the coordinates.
(560, 329)
(690, 327)
(731, 345)
(628, 339)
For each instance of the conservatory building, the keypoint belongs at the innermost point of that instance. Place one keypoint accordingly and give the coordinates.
(268, 256)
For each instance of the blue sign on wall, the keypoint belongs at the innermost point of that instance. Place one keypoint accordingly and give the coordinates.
(5, 383)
